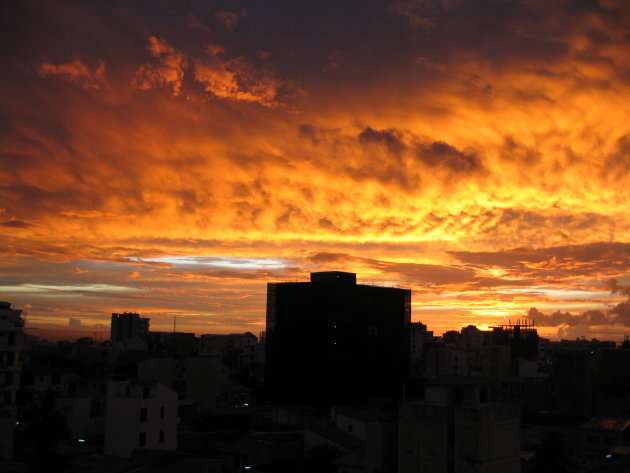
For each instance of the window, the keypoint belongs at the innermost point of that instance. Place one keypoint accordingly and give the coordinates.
(161, 412)
(349, 427)
(143, 414)
(162, 436)
(142, 439)
(146, 392)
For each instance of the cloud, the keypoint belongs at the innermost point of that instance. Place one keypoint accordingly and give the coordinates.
(230, 20)
(389, 138)
(616, 288)
(442, 155)
(417, 13)
(237, 78)
(77, 71)
(14, 223)
(167, 69)
(618, 316)
(477, 154)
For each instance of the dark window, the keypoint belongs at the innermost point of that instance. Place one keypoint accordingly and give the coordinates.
(161, 412)
(146, 392)
(103, 389)
(142, 439)
(11, 339)
(349, 427)
(162, 436)
(143, 414)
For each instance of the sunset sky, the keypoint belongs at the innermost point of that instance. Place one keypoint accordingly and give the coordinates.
(172, 157)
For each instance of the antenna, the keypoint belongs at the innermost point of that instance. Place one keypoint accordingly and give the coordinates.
(175, 323)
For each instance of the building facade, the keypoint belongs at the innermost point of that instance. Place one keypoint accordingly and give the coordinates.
(11, 345)
(457, 430)
(128, 325)
(332, 340)
(140, 414)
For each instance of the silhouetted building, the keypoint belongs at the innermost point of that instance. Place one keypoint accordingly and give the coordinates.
(128, 325)
(332, 340)
(456, 429)
(522, 338)
(140, 414)
(11, 344)
(601, 434)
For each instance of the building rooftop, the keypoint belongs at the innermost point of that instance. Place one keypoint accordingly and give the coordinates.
(342, 439)
(334, 277)
(365, 416)
(618, 424)
(457, 381)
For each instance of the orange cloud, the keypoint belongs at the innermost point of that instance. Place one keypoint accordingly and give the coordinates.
(480, 160)
(236, 79)
(76, 71)
(167, 70)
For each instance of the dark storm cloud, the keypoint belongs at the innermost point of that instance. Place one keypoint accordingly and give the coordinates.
(17, 224)
(409, 273)
(442, 155)
(588, 318)
(616, 288)
(618, 316)
(389, 138)
(590, 253)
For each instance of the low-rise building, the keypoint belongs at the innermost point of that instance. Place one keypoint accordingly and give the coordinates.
(140, 414)
(456, 429)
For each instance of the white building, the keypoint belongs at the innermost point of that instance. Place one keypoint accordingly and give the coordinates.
(11, 344)
(140, 414)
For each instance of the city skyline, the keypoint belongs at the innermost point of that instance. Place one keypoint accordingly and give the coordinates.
(173, 158)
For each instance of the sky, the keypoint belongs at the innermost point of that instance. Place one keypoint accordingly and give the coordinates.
(173, 157)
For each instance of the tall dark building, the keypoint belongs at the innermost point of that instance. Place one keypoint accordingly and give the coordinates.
(332, 340)
(128, 325)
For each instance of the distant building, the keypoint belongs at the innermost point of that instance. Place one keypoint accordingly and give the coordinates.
(128, 325)
(522, 338)
(332, 340)
(11, 344)
(419, 338)
(140, 414)
(456, 429)
(601, 434)
(227, 342)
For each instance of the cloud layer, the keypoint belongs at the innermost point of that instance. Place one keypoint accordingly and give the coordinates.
(475, 151)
